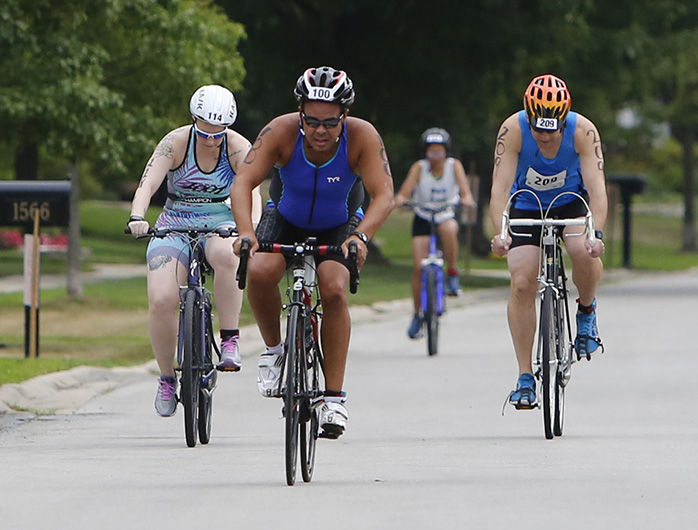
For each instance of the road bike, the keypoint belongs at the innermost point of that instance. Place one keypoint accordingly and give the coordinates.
(196, 341)
(555, 350)
(432, 299)
(302, 377)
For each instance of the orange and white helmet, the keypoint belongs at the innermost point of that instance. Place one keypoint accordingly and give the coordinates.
(547, 102)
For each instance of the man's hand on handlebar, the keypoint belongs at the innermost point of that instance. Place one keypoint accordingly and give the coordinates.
(499, 247)
(251, 237)
(361, 248)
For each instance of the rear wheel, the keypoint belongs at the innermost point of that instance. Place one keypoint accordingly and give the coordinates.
(191, 337)
(309, 419)
(564, 356)
(294, 349)
(208, 376)
(431, 316)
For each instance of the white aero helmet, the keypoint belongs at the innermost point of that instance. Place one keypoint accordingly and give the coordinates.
(214, 104)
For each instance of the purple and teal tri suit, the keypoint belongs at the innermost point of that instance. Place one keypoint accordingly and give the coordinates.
(194, 199)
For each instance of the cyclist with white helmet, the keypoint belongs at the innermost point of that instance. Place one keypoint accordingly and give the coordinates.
(437, 178)
(548, 149)
(200, 162)
(324, 159)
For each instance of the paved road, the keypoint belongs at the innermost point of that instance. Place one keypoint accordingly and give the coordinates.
(427, 446)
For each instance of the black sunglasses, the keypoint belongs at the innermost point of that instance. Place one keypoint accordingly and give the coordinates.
(314, 122)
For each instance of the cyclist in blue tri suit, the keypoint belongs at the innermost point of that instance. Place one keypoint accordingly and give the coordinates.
(324, 159)
(437, 178)
(199, 162)
(548, 149)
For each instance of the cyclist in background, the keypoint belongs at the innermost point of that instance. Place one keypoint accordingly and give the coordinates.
(436, 178)
(548, 149)
(199, 161)
(324, 160)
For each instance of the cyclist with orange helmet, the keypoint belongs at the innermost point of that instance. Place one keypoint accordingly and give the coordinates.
(324, 160)
(548, 149)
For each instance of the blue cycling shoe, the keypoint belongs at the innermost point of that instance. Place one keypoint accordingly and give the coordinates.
(524, 397)
(453, 285)
(588, 340)
(415, 329)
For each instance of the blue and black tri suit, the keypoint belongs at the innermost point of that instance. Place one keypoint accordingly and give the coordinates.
(309, 200)
(547, 178)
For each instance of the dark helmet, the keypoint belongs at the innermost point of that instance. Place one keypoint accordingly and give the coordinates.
(324, 83)
(436, 135)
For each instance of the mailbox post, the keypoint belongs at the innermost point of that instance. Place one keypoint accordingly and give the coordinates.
(30, 204)
(628, 186)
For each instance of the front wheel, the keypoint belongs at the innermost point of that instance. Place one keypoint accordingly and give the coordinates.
(548, 358)
(309, 417)
(294, 349)
(191, 376)
(431, 315)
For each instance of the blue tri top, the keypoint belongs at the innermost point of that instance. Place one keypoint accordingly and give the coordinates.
(317, 197)
(547, 177)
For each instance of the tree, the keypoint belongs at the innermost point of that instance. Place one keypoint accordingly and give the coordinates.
(459, 65)
(103, 81)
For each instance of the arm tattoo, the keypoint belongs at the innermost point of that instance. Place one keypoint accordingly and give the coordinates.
(252, 153)
(145, 171)
(384, 157)
(500, 148)
(598, 149)
(165, 147)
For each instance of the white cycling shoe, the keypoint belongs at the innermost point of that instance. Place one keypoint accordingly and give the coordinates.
(333, 416)
(269, 374)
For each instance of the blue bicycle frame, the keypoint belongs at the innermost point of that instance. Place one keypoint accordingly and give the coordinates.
(433, 262)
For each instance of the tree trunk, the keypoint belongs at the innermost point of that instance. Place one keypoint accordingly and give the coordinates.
(27, 161)
(74, 275)
(689, 239)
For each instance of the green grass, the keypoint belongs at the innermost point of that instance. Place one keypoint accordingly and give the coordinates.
(656, 246)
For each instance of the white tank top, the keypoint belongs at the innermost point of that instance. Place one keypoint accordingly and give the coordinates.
(430, 189)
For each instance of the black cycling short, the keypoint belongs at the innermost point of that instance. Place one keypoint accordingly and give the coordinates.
(571, 210)
(421, 227)
(274, 228)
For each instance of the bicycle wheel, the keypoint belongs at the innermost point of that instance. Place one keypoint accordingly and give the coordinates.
(564, 357)
(548, 359)
(208, 380)
(309, 425)
(431, 316)
(191, 337)
(294, 350)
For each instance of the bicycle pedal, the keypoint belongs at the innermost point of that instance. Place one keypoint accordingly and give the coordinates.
(329, 435)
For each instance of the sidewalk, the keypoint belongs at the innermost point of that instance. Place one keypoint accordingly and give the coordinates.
(103, 271)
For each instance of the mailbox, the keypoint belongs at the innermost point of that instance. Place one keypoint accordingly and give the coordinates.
(22, 200)
(628, 186)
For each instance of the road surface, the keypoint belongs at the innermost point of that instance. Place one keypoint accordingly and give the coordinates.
(426, 446)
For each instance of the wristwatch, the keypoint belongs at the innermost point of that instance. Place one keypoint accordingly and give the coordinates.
(598, 234)
(363, 237)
